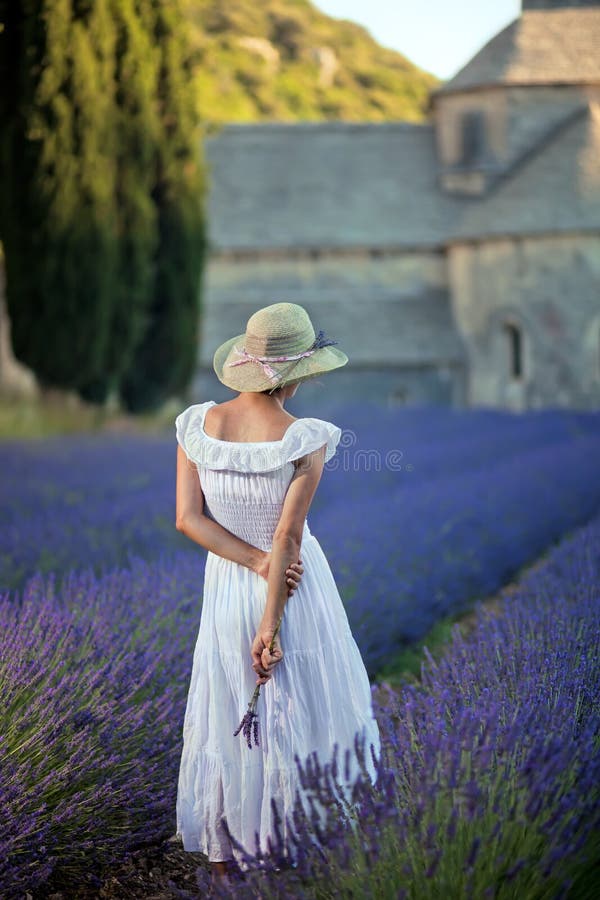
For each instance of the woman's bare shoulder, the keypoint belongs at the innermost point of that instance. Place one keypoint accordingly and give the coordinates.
(233, 421)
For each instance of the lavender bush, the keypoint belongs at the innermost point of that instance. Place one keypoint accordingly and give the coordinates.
(443, 543)
(85, 502)
(489, 781)
(447, 525)
(93, 679)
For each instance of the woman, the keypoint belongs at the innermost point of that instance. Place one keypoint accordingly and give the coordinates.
(246, 474)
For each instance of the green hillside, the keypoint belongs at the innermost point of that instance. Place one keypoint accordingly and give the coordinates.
(265, 60)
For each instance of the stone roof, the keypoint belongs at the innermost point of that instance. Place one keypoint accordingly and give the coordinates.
(373, 186)
(326, 185)
(542, 46)
(555, 188)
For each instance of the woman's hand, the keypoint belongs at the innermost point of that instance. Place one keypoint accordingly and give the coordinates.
(263, 660)
(293, 574)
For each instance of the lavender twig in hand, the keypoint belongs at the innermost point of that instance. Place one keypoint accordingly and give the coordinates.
(249, 724)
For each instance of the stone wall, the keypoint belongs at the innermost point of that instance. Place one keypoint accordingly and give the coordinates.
(390, 311)
(549, 287)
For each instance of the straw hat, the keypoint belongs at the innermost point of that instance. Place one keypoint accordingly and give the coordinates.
(279, 346)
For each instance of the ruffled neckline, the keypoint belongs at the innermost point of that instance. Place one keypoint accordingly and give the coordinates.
(303, 435)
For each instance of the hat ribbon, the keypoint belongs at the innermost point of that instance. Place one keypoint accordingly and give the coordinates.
(320, 341)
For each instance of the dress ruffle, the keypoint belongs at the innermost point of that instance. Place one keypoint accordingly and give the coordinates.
(303, 436)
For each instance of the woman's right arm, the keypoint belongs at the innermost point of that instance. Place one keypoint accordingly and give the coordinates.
(286, 544)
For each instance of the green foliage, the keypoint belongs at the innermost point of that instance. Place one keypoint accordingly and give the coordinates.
(405, 666)
(101, 215)
(282, 79)
(135, 114)
(165, 359)
(58, 213)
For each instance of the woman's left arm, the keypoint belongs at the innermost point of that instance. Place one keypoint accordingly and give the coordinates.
(191, 520)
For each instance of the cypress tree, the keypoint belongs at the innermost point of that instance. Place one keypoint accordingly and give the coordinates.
(58, 211)
(137, 129)
(166, 358)
(101, 184)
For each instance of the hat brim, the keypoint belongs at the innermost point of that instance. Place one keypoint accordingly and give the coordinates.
(250, 376)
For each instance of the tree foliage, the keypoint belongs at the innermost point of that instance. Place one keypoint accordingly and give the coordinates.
(286, 60)
(59, 211)
(99, 154)
(165, 360)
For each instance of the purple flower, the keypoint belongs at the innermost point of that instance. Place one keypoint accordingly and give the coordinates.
(249, 724)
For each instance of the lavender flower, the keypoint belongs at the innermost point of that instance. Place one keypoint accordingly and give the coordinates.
(249, 724)
(322, 341)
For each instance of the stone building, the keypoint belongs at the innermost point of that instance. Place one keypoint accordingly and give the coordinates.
(458, 261)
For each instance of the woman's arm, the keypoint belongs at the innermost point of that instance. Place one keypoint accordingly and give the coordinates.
(190, 519)
(286, 548)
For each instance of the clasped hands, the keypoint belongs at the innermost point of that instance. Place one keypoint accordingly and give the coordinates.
(263, 660)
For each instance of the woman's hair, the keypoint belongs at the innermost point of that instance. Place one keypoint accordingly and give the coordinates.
(299, 380)
(278, 389)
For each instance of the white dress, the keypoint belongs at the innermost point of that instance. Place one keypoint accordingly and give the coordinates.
(319, 694)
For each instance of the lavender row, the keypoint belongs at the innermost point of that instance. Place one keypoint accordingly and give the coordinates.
(430, 549)
(84, 501)
(92, 501)
(93, 680)
(489, 780)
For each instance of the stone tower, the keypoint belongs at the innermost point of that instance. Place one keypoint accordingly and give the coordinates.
(518, 138)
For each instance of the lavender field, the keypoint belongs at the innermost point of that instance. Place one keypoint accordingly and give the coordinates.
(488, 780)
(420, 512)
(489, 783)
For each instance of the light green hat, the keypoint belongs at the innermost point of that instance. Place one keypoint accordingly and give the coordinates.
(279, 346)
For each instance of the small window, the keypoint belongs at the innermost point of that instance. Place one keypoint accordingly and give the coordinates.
(473, 136)
(514, 339)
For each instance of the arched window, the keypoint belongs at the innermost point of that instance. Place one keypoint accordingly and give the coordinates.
(514, 339)
(473, 136)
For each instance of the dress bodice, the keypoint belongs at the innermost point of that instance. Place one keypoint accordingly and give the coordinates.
(245, 483)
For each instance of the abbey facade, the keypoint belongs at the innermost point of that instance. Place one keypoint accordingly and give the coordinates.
(456, 262)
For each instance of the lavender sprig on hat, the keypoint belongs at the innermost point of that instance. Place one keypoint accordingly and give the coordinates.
(322, 341)
(249, 724)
